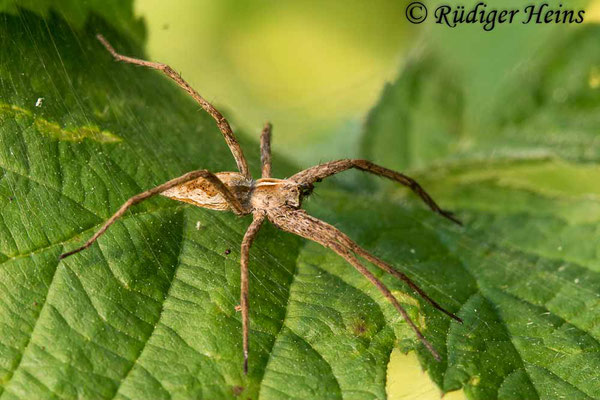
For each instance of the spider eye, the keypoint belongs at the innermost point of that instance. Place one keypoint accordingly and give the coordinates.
(306, 189)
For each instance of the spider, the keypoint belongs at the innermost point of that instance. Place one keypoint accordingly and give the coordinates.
(276, 200)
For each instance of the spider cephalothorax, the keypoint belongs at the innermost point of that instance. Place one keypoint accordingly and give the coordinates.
(272, 193)
(278, 200)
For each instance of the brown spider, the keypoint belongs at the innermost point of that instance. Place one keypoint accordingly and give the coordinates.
(278, 200)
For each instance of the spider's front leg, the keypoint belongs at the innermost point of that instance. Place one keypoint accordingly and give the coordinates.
(209, 176)
(322, 171)
(300, 223)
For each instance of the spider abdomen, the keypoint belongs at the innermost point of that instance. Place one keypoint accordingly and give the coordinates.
(202, 193)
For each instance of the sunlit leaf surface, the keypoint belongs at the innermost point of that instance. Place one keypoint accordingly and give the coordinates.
(149, 311)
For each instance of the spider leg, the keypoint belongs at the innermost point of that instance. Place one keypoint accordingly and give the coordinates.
(222, 123)
(265, 150)
(246, 243)
(390, 270)
(386, 292)
(209, 176)
(322, 171)
(300, 223)
(343, 239)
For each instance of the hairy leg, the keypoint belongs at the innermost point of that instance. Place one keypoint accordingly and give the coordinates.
(222, 123)
(300, 223)
(345, 253)
(322, 171)
(351, 245)
(400, 275)
(265, 150)
(246, 243)
(343, 239)
(209, 176)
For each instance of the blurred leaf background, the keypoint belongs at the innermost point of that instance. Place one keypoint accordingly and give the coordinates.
(315, 68)
(312, 68)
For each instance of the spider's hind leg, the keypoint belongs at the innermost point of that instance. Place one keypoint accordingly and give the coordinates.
(222, 123)
(138, 198)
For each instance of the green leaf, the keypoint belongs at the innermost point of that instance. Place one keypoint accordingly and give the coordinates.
(118, 13)
(499, 137)
(418, 119)
(149, 311)
(474, 96)
(523, 274)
